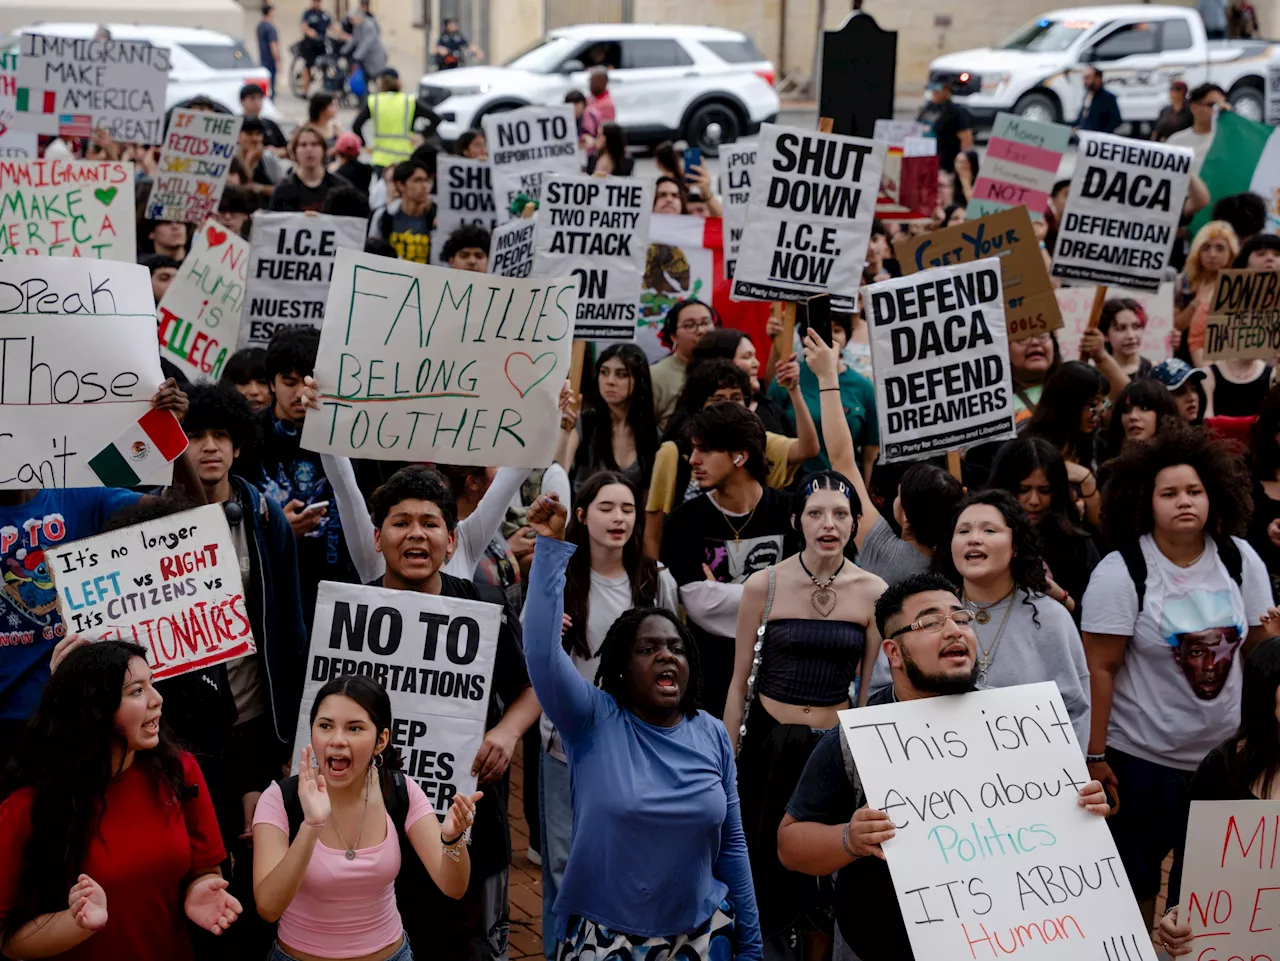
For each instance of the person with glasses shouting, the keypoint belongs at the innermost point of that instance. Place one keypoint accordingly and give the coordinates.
(685, 323)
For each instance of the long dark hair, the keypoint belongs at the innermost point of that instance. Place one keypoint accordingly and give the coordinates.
(66, 761)
(373, 699)
(827, 480)
(1264, 452)
(615, 657)
(1147, 394)
(722, 342)
(615, 145)
(1019, 459)
(597, 424)
(642, 571)
(701, 382)
(1067, 393)
(1254, 752)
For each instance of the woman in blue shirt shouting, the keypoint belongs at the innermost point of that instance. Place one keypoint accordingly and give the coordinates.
(658, 859)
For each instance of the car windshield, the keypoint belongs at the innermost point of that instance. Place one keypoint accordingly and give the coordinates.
(545, 57)
(1047, 35)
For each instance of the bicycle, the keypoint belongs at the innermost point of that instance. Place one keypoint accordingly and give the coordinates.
(334, 71)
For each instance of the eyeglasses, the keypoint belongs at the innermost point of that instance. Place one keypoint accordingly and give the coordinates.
(934, 623)
(695, 324)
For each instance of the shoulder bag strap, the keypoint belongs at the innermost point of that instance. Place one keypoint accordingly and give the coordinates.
(758, 651)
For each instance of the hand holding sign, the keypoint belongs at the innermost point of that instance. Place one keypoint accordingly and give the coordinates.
(1174, 935)
(867, 830)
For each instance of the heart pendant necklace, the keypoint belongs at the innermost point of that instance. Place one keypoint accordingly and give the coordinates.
(822, 597)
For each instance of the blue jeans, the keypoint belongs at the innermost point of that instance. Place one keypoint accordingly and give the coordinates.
(404, 954)
(555, 816)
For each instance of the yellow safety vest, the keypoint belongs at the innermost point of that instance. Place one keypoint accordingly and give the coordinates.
(392, 115)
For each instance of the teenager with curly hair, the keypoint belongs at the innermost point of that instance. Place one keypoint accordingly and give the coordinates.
(1164, 616)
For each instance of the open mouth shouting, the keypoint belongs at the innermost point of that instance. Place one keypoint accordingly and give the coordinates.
(337, 765)
(151, 728)
(668, 682)
(955, 653)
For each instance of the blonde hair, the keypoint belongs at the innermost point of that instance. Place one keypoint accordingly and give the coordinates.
(1213, 230)
(297, 135)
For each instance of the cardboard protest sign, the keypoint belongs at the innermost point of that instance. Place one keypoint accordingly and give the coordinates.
(1076, 303)
(79, 368)
(595, 229)
(993, 856)
(433, 655)
(198, 148)
(1123, 209)
(71, 87)
(1021, 166)
(13, 143)
(941, 359)
(172, 585)
(464, 195)
(1244, 316)
(200, 313)
(511, 248)
(68, 208)
(809, 219)
(679, 266)
(525, 146)
(1230, 893)
(1030, 307)
(736, 160)
(290, 264)
(422, 363)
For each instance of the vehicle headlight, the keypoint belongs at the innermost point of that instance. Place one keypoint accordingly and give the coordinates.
(991, 81)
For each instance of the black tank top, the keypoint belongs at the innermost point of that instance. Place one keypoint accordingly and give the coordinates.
(810, 662)
(1239, 400)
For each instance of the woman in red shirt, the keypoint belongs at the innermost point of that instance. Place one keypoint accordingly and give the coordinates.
(118, 839)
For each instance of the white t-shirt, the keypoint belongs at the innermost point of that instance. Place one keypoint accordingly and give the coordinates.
(1198, 142)
(1177, 694)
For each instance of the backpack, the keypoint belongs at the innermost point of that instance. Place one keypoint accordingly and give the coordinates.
(1131, 551)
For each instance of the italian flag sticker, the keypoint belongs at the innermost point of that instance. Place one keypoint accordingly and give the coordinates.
(37, 101)
(156, 437)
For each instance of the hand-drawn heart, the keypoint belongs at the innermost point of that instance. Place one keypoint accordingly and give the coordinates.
(106, 195)
(216, 236)
(527, 368)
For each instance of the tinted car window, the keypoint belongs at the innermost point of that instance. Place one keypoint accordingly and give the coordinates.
(734, 51)
(1177, 35)
(638, 54)
(1127, 40)
(221, 56)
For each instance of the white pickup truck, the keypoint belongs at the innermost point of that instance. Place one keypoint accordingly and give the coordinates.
(1037, 72)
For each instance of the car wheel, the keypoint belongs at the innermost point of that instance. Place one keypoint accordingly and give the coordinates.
(695, 131)
(1247, 102)
(1038, 106)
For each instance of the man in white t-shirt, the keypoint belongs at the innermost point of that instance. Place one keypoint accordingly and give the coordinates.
(1199, 136)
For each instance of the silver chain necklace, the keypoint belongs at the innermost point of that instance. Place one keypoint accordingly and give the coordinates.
(350, 853)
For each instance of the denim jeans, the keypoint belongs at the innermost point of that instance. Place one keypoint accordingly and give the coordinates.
(555, 812)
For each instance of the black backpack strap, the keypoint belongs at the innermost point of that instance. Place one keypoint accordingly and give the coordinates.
(1232, 559)
(1131, 551)
(292, 806)
(398, 802)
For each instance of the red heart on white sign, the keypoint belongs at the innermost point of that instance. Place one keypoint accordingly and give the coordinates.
(216, 236)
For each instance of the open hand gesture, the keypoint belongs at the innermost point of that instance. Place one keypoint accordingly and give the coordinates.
(547, 517)
(88, 903)
(312, 793)
(210, 906)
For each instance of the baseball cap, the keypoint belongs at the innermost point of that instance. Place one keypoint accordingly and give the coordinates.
(348, 145)
(391, 73)
(1174, 372)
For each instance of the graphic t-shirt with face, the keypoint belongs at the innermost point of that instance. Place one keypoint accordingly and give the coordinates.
(1177, 695)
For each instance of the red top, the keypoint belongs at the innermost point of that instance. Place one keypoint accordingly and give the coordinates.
(145, 846)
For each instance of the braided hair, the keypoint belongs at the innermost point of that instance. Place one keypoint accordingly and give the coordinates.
(615, 653)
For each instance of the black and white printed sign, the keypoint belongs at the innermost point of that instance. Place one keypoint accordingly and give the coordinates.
(813, 197)
(1122, 212)
(941, 356)
(464, 195)
(527, 145)
(737, 161)
(597, 229)
(511, 248)
(434, 655)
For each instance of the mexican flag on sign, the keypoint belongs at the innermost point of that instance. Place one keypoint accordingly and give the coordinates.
(37, 101)
(1244, 156)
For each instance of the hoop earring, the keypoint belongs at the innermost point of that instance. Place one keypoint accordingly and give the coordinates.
(377, 761)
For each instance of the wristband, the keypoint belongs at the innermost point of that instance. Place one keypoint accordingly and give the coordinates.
(454, 841)
(844, 840)
(1095, 758)
(823, 390)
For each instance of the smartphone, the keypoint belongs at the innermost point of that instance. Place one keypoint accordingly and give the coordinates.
(692, 158)
(818, 316)
(318, 505)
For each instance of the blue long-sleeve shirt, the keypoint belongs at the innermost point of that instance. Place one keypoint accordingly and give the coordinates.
(657, 831)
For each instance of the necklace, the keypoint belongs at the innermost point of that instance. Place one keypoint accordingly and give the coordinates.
(350, 854)
(988, 655)
(981, 614)
(822, 597)
(737, 531)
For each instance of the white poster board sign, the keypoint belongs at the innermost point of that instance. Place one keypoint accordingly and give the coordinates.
(68, 208)
(464, 195)
(737, 160)
(290, 263)
(1122, 212)
(433, 655)
(1157, 337)
(1273, 90)
(940, 351)
(73, 86)
(597, 229)
(813, 198)
(200, 313)
(511, 248)
(993, 856)
(525, 146)
(198, 148)
(171, 585)
(13, 143)
(423, 363)
(79, 367)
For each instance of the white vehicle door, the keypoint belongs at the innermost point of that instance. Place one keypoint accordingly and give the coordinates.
(1129, 57)
(657, 78)
(1181, 59)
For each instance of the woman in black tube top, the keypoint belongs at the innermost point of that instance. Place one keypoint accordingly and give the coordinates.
(805, 628)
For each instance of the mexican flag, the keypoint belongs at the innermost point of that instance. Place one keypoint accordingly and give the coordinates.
(1244, 156)
(155, 439)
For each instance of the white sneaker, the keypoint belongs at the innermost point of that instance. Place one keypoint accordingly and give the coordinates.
(534, 857)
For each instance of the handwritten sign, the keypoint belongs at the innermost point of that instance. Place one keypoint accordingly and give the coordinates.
(433, 655)
(1030, 307)
(993, 856)
(1244, 317)
(423, 363)
(1124, 206)
(808, 223)
(464, 195)
(736, 160)
(511, 248)
(200, 313)
(290, 265)
(193, 165)
(1021, 166)
(595, 229)
(941, 358)
(68, 208)
(1230, 891)
(525, 146)
(13, 143)
(1077, 302)
(71, 87)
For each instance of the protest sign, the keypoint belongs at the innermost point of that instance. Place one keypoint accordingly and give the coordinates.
(525, 146)
(1076, 304)
(290, 265)
(171, 585)
(464, 195)
(1123, 209)
(200, 313)
(79, 367)
(198, 148)
(596, 229)
(1030, 307)
(993, 856)
(909, 183)
(13, 143)
(1273, 90)
(679, 266)
(68, 208)
(809, 217)
(72, 86)
(1230, 893)
(433, 655)
(422, 363)
(1021, 166)
(897, 132)
(736, 160)
(1244, 316)
(511, 248)
(941, 359)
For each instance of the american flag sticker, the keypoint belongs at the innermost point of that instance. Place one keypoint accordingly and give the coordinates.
(36, 101)
(75, 125)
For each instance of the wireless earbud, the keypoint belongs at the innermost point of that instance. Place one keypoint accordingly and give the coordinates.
(737, 461)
